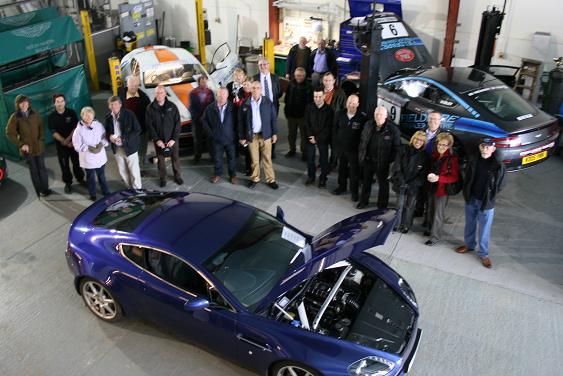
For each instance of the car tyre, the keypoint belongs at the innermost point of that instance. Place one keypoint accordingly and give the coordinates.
(100, 300)
(287, 368)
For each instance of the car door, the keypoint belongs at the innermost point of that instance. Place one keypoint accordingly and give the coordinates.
(169, 284)
(125, 281)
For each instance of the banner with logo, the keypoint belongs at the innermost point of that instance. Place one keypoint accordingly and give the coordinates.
(71, 82)
(40, 37)
(24, 19)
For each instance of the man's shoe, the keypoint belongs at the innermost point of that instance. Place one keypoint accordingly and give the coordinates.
(92, 198)
(68, 188)
(338, 191)
(426, 233)
(252, 184)
(196, 159)
(430, 243)
(310, 181)
(487, 263)
(322, 183)
(463, 249)
(45, 193)
(162, 183)
(355, 197)
(233, 179)
(405, 230)
(361, 205)
(273, 156)
(215, 179)
(290, 154)
(179, 180)
(273, 185)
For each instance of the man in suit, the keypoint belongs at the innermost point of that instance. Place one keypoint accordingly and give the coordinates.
(258, 130)
(219, 123)
(270, 88)
(123, 132)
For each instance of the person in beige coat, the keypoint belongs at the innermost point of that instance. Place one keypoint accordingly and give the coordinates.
(26, 130)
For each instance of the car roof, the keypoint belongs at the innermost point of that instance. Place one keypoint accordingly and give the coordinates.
(195, 226)
(457, 79)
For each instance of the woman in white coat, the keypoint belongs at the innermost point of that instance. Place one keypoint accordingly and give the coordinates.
(89, 140)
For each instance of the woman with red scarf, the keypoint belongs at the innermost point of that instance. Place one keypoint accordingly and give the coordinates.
(444, 169)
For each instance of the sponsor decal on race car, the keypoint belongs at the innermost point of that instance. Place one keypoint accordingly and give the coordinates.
(404, 55)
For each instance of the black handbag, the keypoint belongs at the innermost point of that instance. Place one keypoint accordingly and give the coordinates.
(454, 188)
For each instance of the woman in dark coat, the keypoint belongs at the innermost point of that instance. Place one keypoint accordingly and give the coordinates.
(444, 170)
(408, 177)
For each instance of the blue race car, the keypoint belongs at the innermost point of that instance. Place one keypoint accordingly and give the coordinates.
(474, 104)
(246, 285)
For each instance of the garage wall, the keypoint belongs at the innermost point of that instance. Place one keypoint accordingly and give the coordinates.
(222, 16)
(427, 17)
(523, 18)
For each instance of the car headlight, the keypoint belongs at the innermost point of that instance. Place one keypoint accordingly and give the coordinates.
(371, 366)
(404, 286)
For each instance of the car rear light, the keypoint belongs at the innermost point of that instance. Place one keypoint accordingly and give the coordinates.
(507, 142)
(1, 173)
(554, 129)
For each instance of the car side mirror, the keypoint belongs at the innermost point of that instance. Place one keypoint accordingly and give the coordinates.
(280, 214)
(196, 304)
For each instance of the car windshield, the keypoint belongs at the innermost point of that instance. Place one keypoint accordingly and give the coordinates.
(171, 74)
(253, 261)
(504, 103)
(127, 214)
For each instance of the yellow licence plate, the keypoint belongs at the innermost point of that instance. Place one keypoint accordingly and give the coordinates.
(534, 157)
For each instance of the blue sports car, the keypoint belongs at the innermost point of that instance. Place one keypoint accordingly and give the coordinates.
(246, 285)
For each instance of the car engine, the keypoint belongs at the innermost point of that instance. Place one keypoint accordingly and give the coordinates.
(348, 302)
(330, 301)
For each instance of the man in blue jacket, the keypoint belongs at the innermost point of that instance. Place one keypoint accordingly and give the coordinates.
(219, 123)
(258, 130)
(123, 132)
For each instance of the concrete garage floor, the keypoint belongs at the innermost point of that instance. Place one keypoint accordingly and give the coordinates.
(504, 321)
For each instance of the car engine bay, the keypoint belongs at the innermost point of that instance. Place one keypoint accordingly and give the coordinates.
(348, 302)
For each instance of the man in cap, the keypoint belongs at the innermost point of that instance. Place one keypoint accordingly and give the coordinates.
(484, 179)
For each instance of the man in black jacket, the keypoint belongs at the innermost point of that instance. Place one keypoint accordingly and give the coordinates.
(298, 56)
(484, 179)
(318, 127)
(136, 100)
(62, 122)
(379, 144)
(123, 132)
(348, 125)
(163, 122)
(219, 123)
(299, 93)
(258, 132)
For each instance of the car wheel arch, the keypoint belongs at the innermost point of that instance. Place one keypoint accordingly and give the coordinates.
(287, 362)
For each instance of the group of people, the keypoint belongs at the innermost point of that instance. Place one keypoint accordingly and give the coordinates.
(132, 120)
(241, 119)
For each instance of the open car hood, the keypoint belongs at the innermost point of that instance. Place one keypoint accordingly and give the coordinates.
(340, 241)
(354, 234)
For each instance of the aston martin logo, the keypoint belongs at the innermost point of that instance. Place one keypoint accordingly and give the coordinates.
(19, 20)
(33, 31)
